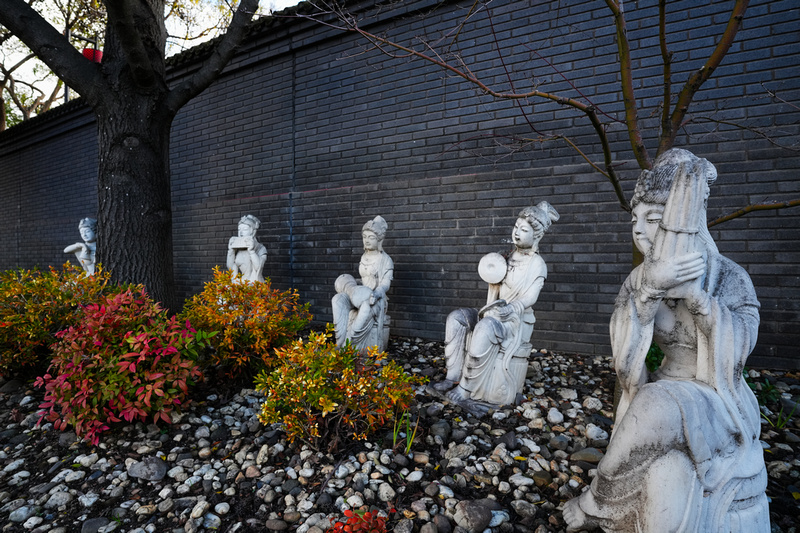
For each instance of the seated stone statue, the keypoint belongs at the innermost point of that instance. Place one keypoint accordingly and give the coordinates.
(359, 307)
(685, 454)
(85, 251)
(487, 351)
(245, 254)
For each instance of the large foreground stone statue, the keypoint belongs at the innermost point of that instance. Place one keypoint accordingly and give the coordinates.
(685, 454)
(359, 307)
(245, 254)
(487, 351)
(85, 251)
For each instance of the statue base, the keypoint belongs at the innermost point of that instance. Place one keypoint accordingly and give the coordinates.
(476, 408)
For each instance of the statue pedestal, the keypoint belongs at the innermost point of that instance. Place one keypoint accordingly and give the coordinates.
(508, 392)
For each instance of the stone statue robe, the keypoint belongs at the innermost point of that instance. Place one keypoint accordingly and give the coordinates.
(365, 327)
(242, 260)
(486, 352)
(704, 427)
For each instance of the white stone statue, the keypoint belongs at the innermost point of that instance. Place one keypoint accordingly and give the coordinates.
(245, 254)
(359, 306)
(685, 454)
(85, 251)
(487, 351)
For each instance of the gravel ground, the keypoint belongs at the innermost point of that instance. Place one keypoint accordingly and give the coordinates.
(217, 469)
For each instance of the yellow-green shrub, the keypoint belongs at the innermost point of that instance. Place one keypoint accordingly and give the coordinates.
(250, 320)
(35, 305)
(323, 393)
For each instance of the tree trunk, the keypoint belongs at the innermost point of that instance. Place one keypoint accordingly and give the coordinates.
(134, 236)
(134, 109)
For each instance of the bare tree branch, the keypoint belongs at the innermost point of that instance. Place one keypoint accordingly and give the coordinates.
(626, 78)
(757, 131)
(754, 207)
(53, 96)
(775, 96)
(700, 76)
(349, 24)
(666, 58)
(52, 48)
(220, 57)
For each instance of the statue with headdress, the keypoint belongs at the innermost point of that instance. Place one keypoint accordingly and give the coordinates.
(246, 256)
(360, 305)
(85, 251)
(487, 350)
(685, 454)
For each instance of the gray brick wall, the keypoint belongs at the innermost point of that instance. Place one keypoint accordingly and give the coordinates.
(315, 135)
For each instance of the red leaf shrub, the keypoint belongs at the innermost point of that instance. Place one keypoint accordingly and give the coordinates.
(124, 360)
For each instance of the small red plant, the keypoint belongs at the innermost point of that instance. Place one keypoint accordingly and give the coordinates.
(364, 521)
(124, 360)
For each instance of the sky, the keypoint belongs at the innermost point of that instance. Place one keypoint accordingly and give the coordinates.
(175, 45)
(281, 4)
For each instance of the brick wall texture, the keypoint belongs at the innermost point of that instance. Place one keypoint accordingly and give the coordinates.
(315, 132)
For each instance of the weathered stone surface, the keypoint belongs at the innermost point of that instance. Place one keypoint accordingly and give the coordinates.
(85, 251)
(360, 305)
(149, 469)
(590, 455)
(473, 515)
(693, 428)
(246, 256)
(477, 341)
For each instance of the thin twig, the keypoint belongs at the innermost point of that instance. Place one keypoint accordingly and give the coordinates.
(751, 129)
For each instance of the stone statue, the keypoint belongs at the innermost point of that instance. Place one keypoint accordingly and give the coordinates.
(245, 254)
(487, 351)
(85, 251)
(685, 454)
(359, 306)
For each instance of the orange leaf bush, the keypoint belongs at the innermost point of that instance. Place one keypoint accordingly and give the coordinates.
(124, 360)
(323, 393)
(250, 320)
(35, 305)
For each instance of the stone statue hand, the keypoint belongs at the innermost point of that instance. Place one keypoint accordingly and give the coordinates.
(377, 294)
(251, 244)
(504, 312)
(687, 290)
(78, 247)
(662, 275)
(499, 310)
(230, 243)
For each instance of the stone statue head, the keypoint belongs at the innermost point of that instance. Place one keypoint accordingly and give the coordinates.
(378, 226)
(88, 229)
(653, 189)
(654, 185)
(539, 216)
(252, 224)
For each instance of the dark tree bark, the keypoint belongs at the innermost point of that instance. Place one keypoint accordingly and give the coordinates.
(134, 108)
